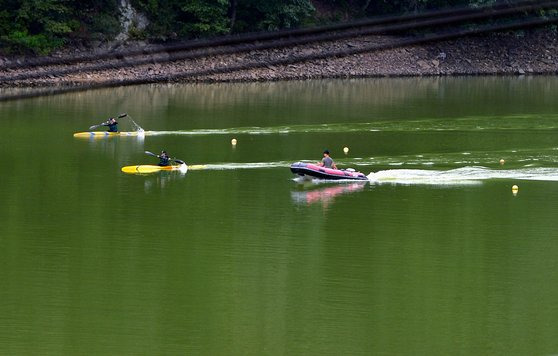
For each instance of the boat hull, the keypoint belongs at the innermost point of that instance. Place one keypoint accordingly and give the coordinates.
(100, 134)
(150, 168)
(315, 171)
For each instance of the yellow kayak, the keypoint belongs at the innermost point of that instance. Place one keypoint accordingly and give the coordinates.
(151, 168)
(99, 134)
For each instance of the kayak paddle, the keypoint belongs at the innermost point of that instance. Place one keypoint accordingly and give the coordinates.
(95, 126)
(179, 161)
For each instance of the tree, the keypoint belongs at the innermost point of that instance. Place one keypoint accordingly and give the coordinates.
(256, 15)
(185, 18)
(35, 25)
(232, 13)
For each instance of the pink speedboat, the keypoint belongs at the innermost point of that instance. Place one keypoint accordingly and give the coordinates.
(313, 170)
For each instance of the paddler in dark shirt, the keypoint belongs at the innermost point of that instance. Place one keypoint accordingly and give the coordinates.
(327, 161)
(164, 159)
(112, 125)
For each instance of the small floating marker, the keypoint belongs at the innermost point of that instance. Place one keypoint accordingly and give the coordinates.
(233, 142)
(346, 149)
(502, 163)
(515, 189)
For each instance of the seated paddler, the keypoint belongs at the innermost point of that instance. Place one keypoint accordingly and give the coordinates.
(164, 159)
(327, 161)
(112, 125)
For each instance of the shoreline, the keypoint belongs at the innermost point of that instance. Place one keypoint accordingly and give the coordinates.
(527, 53)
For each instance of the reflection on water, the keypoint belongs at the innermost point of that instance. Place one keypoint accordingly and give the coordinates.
(154, 182)
(325, 195)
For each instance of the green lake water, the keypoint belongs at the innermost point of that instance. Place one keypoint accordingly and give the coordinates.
(433, 256)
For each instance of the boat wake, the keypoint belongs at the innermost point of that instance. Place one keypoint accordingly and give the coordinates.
(468, 175)
(460, 176)
(518, 158)
(481, 123)
(251, 165)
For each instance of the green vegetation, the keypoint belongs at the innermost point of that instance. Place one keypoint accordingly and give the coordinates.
(40, 26)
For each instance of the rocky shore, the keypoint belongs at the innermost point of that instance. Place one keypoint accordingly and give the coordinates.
(502, 54)
(528, 53)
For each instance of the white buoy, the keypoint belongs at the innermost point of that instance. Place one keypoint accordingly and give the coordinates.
(346, 149)
(502, 162)
(233, 142)
(515, 189)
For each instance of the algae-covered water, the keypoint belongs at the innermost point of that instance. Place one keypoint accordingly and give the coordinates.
(435, 255)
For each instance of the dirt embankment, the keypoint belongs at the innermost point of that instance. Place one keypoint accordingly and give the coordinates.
(496, 54)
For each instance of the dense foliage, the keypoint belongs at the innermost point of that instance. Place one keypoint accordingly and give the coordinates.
(39, 26)
(190, 18)
(43, 25)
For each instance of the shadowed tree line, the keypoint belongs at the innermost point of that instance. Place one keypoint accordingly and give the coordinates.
(40, 26)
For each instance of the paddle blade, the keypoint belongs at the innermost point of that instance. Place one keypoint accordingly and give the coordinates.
(179, 161)
(151, 154)
(122, 115)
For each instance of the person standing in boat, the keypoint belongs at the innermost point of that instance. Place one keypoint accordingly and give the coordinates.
(164, 159)
(112, 125)
(327, 161)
